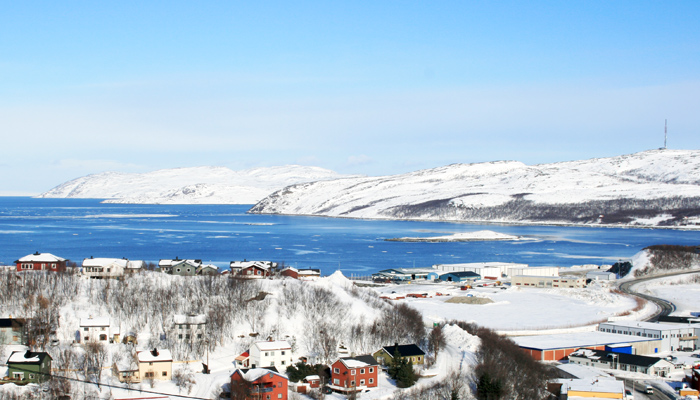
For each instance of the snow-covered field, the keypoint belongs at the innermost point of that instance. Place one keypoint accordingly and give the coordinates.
(679, 290)
(516, 309)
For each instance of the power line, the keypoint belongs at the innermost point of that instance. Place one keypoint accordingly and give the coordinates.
(110, 386)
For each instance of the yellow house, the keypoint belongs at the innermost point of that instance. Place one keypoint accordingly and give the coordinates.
(155, 364)
(600, 387)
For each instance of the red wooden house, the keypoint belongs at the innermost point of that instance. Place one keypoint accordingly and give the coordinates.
(353, 374)
(41, 262)
(258, 384)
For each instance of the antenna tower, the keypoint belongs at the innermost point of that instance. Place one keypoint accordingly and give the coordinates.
(665, 132)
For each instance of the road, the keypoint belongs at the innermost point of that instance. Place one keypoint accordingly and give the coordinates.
(665, 307)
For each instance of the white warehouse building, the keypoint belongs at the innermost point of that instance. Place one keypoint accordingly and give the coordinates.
(673, 337)
(498, 270)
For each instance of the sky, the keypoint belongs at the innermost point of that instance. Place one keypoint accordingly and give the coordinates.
(359, 87)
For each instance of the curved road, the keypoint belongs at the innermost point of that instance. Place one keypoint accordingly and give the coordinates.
(665, 307)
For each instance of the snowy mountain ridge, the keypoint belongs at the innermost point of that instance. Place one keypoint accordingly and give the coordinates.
(656, 187)
(195, 185)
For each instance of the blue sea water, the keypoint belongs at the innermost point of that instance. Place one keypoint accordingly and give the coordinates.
(217, 234)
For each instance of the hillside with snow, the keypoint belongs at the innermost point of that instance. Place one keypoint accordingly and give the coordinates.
(197, 185)
(651, 188)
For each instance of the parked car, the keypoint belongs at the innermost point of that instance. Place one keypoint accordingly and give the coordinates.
(628, 395)
(649, 390)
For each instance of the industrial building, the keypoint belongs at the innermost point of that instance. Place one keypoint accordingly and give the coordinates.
(557, 347)
(548, 282)
(673, 337)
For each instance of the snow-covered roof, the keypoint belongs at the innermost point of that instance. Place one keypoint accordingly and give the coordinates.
(581, 371)
(353, 363)
(136, 264)
(254, 374)
(273, 345)
(190, 319)
(99, 321)
(41, 257)
(574, 340)
(160, 355)
(26, 356)
(103, 262)
(601, 385)
(488, 264)
(170, 263)
(644, 325)
(246, 264)
(126, 364)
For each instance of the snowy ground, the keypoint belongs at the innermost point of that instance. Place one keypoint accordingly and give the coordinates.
(678, 290)
(516, 309)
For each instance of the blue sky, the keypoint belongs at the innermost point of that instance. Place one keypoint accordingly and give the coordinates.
(358, 87)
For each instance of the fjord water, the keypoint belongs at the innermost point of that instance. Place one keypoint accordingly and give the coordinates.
(217, 234)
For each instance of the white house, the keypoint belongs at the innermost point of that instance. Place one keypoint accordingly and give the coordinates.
(100, 268)
(277, 353)
(190, 328)
(94, 330)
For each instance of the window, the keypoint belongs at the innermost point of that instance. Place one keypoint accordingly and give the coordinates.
(279, 395)
(362, 371)
(362, 382)
(85, 329)
(371, 380)
(352, 372)
(87, 338)
(336, 371)
(272, 363)
(335, 381)
(282, 362)
(179, 336)
(268, 397)
(352, 383)
(165, 373)
(282, 352)
(31, 376)
(371, 370)
(149, 375)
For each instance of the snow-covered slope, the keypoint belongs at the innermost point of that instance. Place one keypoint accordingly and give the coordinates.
(197, 185)
(645, 188)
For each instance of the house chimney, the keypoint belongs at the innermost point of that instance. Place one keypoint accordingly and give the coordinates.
(155, 352)
(36, 254)
(28, 354)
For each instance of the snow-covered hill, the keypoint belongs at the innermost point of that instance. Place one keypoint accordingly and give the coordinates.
(657, 187)
(197, 185)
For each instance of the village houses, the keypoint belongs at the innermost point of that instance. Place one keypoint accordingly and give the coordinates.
(101, 268)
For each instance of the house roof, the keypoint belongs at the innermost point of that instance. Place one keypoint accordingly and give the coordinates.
(245, 355)
(190, 319)
(273, 345)
(27, 357)
(622, 358)
(405, 350)
(576, 340)
(103, 262)
(11, 322)
(253, 374)
(358, 361)
(100, 321)
(170, 263)
(155, 355)
(41, 257)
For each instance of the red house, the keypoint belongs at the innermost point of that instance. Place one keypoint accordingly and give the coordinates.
(41, 262)
(353, 374)
(258, 384)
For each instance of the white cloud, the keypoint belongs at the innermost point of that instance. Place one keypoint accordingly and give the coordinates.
(359, 160)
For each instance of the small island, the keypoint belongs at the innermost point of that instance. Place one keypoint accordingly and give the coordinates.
(484, 235)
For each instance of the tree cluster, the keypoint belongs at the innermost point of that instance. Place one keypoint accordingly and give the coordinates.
(401, 370)
(503, 370)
